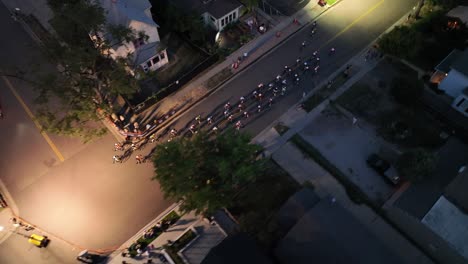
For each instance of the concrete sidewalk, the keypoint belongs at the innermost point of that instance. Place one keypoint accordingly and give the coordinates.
(196, 90)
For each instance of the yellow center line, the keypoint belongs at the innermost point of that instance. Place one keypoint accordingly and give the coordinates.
(370, 10)
(31, 115)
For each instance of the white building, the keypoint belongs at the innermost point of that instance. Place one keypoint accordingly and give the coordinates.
(215, 13)
(146, 52)
(452, 76)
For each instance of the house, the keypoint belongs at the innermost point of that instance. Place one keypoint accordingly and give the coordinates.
(325, 232)
(146, 52)
(451, 75)
(460, 12)
(216, 14)
(448, 217)
(238, 248)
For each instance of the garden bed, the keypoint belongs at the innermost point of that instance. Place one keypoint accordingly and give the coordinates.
(174, 248)
(325, 91)
(153, 233)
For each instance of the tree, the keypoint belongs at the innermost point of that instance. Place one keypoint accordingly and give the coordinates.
(88, 79)
(418, 8)
(416, 164)
(206, 173)
(406, 91)
(402, 41)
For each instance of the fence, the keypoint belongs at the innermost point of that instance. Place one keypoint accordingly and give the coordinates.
(173, 87)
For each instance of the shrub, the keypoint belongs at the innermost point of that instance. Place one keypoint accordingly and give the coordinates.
(406, 90)
(417, 164)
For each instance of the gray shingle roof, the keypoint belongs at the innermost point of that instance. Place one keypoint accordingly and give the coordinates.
(145, 52)
(461, 63)
(456, 191)
(329, 234)
(445, 65)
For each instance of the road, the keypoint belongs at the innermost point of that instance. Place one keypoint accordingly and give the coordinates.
(349, 28)
(90, 202)
(84, 201)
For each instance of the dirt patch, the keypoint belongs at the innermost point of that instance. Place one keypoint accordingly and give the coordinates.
(218, 78)
(370, 99)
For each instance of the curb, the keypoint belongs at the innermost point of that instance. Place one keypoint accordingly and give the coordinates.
(132, 239)
(249, 65)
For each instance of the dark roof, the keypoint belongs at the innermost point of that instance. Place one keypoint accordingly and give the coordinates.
(216, 8)
(239, 248)
(329, 234)
(445, 65)
(295, 207)
(461, 63)
(456, 191)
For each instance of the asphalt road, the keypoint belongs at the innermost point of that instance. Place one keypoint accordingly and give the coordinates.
(349, 28)
(91, 202)
(85, 200)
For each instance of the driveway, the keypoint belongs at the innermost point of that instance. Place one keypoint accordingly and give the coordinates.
(347, 146)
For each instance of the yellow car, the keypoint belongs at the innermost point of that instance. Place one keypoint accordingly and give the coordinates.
(38, 240)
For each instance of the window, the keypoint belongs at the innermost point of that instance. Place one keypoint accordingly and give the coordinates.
(138, 42)
(148, 64)
(212, 19)
(234, 15)
(222, 22)
(230, 18)
(155, 60)
(460, 102)
(162, 55)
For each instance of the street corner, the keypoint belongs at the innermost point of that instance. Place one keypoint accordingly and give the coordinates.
(5, 215)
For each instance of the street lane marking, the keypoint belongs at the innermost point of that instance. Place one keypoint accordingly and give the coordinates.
(31, 115)
(370, 10)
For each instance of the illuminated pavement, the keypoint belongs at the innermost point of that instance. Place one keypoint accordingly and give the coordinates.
(91, 202)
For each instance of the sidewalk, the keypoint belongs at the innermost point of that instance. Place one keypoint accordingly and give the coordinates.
(196, 90)
(208, 236)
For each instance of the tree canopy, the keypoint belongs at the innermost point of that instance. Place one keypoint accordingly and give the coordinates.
(79, 94)
(416, 164)
(206, 173)
(406, 90)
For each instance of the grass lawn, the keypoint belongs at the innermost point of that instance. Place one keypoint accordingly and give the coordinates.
(323, 92)
(258, 203)
(370, 99)
(331, 2)
(218, 78)
(182, 59)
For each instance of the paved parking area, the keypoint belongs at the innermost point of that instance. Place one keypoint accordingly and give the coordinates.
(347, 146)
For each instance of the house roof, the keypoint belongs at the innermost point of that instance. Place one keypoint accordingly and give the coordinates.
(445, 65)
(456, 191)
(123, 12)
(460, 12)
(239, 248)
(328, 233)
(295, 207)
(216, 8)
(145, 52)
(461, 63)
(450, 223)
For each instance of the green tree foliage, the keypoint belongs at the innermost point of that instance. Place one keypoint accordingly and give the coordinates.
(206, 173)
(402, 41)
(406, 91)
(70, 102)
(417, 164)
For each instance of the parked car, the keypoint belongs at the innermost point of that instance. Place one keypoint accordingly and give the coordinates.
(38, 240)
(384, 168)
